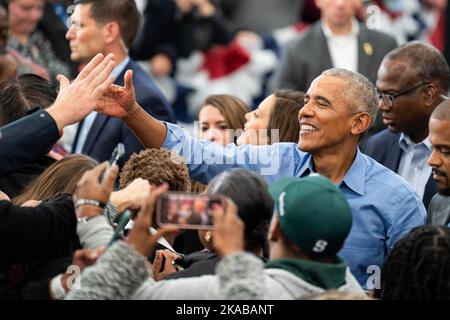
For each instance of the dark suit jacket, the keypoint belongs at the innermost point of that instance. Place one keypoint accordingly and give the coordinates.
(22, 141)
(307, 56)
(15, 183)
(384, 148)
(106, 132)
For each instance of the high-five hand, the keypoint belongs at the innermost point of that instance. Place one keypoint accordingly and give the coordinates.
(119, 102)
(77, 99)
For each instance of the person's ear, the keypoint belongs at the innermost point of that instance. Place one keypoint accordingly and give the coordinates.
(360, 123)
(112, 32)
(429, 95)
(274, 230)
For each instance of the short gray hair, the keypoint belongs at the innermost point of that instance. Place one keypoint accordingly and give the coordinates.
(360, 92)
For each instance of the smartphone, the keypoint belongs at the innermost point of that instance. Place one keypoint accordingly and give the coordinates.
(118, 153)
(124, 218)
(187, 211)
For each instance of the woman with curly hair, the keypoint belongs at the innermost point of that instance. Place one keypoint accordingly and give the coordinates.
(159, 166)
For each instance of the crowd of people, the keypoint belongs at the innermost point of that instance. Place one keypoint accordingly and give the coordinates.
(331, 182)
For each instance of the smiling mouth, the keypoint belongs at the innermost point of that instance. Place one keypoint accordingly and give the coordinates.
(307, 128)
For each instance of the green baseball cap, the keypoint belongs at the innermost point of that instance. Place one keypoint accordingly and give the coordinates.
(313, 213)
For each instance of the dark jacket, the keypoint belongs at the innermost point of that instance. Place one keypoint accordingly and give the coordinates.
(24, 140)
(196, 264)
(15, 183)
(384, 147)
(308, 56)
(166, 30)
(36, 244)
(106, 132)
(29, 234)
(31, 281)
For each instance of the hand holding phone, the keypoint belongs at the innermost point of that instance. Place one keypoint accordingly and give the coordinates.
(89, 191)
(229, 229)
(125, 217)
(118, 153)
(141, 237)
(187, 211)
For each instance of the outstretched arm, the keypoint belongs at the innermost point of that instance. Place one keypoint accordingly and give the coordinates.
(23, 140)
(204, 158)
(120, 102)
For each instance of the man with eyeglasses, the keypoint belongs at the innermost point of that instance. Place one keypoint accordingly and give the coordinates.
(412, 81)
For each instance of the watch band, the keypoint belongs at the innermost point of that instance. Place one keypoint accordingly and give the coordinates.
(89, 202)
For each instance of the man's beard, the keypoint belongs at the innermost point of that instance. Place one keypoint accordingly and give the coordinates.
(446, 190)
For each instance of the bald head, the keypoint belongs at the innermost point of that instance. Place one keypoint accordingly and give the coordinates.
(442, 111)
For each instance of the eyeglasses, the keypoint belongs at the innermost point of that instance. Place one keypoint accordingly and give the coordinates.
(389, 99)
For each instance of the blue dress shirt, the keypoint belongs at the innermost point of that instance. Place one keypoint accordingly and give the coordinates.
(413, 166)
(384, 206)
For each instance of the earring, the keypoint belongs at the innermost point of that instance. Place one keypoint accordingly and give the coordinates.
(208, 236)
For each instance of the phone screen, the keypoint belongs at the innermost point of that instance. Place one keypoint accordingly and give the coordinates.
(187, 211)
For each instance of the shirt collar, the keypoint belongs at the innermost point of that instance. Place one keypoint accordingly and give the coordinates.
(328, 33)
(120, 67)
(307, 167)
(355, 177)
(406, 143)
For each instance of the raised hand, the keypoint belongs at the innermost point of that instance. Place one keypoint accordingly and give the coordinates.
(140, 236)
(77, 99)
(89, 187)
(131, 196)
(119, 102)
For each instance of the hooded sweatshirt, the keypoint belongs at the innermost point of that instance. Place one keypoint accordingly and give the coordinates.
(122, 273)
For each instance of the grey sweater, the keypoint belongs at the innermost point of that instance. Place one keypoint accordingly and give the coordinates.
(97, 232)
(439, 210)
(122, 273)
